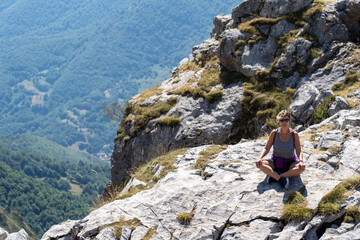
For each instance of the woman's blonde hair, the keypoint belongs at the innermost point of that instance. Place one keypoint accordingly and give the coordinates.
(283, 113)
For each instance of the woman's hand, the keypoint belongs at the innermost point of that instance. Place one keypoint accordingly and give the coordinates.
(301, 165)
(258, 163)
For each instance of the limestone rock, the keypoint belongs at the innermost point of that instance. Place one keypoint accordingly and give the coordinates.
(106, 233)
(205, 51)
(296, 53)
(330, 138)
(220, 23)
(66, 229)
(20, 235)
(339, 104)
(277, 8)
(246, 8)
(133, 183)
(257, 229)
(3, 234)
(302, 100)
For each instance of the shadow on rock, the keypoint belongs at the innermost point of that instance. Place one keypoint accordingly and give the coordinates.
(295, 184)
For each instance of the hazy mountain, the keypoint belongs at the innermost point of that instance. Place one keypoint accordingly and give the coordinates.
(61, 60)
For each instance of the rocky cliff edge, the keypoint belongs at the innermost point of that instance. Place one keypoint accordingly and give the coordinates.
(191, 176)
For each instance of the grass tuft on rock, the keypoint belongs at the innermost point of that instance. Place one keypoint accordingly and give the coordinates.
(185, 218)
(321, 111)
(150, 233)
(208, 154)
(213, 96)
(332, 202)
(295, 208)
(168, 121)
(352, 214)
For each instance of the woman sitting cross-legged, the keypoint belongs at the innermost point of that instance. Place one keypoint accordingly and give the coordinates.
(283, 162)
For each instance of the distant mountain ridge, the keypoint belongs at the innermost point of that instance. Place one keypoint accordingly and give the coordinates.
(62, 60)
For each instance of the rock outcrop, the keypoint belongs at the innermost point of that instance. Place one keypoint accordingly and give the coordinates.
(231, 199)
(305, 45)
(265, 56)
(20, 235)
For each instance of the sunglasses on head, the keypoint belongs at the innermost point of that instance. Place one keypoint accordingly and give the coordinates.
(284, 120)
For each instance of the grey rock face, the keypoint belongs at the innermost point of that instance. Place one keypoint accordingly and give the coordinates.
(331, 138)
(20, 235)
(296, 53)
(257, 229)
(201, 123)
(302, 100)
(235, 194)
(277, 8)
(205, 51)
(254, 58)
(339, 104)
(65, 230)
(246, 8)
(228, 47)
(3, 234)
(220, 23)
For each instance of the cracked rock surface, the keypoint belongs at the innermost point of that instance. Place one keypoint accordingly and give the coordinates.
(234, 202)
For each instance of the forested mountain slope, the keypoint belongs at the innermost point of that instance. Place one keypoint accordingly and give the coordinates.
(61, 60)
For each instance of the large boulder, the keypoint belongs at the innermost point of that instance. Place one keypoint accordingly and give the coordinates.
(302, 101)
(277, 8)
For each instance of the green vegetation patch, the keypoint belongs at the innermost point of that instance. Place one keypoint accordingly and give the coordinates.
(331, 202)
(191, 66)
(168, 121)
(295, 208)
(150, 233)
(213, 96)
(208, 154)
(133, 223)
(144, 172)
(210, 77)
(185, 218)
(262, 101)
(321, 111)
(315, 53)
(352, 214)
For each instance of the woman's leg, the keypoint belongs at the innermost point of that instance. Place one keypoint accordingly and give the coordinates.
(295, 169)
(268, 168)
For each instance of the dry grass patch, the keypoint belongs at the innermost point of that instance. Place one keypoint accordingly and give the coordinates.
(144, 172)
(133, 223)
(150, 233)
(207, 155)
(148, 93)
(191, 66)
(295, 208)
(332, 202)
(168, 121)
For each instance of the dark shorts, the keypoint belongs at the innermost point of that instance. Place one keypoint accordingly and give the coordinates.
(283, 164)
